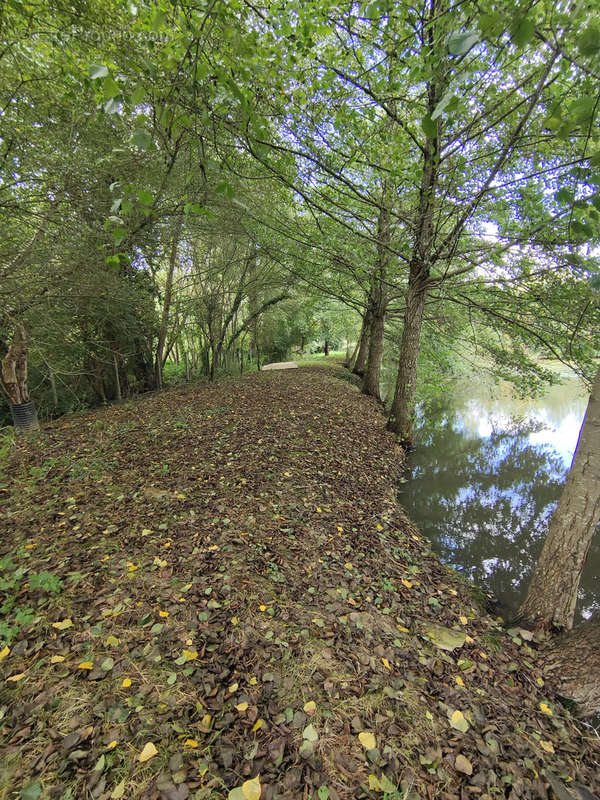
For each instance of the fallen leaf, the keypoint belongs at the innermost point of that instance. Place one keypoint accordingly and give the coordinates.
(367, 739)
(458, 680)
(86, 665)
(63, 624)
(547, 746)
(310, 733)
(119, 790)
(386, 663)
(4, 652)
(18, 677)
(148, 752)
(445, 638)
(462, 764)
(126, 683)
(458, 721)
(57, 659)
(191, 743)
(241, 707)
(310, 708)
(406, 583)
(545, 709)
(111, 745)
(257, 725)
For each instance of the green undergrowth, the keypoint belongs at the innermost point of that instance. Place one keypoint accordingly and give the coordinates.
(212, 593)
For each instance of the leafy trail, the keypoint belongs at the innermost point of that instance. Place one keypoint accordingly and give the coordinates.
(211, 593)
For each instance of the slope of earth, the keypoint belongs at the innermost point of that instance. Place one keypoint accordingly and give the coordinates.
(211, 593)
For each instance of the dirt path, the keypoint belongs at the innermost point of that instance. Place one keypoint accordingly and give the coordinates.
(240, 592)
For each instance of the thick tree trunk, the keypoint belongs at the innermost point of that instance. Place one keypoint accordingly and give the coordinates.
(552, 594)
(573, 659)
(164, 322)
(14, 368)
(360, 364)
(402, 413)
(372, 376)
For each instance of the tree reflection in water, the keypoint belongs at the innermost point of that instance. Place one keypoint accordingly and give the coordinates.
(484, 501)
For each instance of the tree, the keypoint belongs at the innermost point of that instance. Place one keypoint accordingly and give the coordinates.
(552, 594)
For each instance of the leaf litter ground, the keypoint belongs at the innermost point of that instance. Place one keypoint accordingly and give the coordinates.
(244, 611)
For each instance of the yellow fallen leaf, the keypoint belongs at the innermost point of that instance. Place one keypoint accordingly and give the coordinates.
(545, 709)
(406, 583)
(340, 528)
(379, 527)
(206, 723)
(111, 641)
(251, 789)
(253, 680)
(234, 620)
(126, 683)
(402, 628)
(190, 655)
(367, 740)
(257, 725)
(547, 746)
(4, 652)
(233, 688)
(349, 565)
(163, 613)
(111, 745)
(319, 509)
(18, 677)
(86, 665)
(262, 608)
(469, 640)
(148, 752)
(458, 721)
(374, 783)
(463, 620)
(191, 743)
(57, 659)
(241, 707)
(386, 663)
(310, 707)
(62, 625)
(459, 680)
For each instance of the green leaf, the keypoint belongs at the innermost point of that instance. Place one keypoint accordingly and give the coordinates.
(460, 43)
(437, 111)
(323, 793)
(158, 21)
(110, 88)
(564, 196)
(138, 95)
(141, 138)
(458, 721)
(145, 197)
(31, 792)
(522, 31)
(588, 43)
(98, 71)
(429, 127)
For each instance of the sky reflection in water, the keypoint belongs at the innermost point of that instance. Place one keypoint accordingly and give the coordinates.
(485, 478)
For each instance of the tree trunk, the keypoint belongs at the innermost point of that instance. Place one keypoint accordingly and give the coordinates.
(117, 379)
(164, 322)
(326, 347)
(372, 376)
(552, 594)
(53, 389)
(402, 413)
(14, 368)
(352, 360)
(360, 364)
(573, 659)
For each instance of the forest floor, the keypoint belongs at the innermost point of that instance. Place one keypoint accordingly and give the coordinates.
(211, 592)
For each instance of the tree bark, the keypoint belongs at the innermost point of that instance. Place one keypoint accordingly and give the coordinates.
(402, 412)
(14, 368)
(164, 322)
(372, 376)
(552, 593)
(360, 364)
(573, 659)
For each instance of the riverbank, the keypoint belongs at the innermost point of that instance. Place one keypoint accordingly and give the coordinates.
(222, 586)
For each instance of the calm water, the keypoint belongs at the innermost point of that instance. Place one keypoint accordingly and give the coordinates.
(485, 477)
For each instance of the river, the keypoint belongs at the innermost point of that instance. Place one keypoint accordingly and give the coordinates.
(485, 476)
